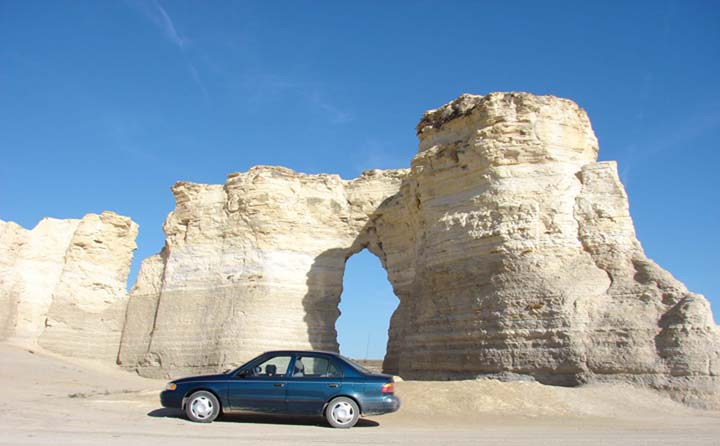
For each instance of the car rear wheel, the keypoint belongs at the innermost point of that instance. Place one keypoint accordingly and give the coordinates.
(342, 412)
(202, 407)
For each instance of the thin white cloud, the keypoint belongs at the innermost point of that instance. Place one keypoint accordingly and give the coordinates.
(125, 133)
(270, 87)
(163, 20)
(337, 116)
(196, 77)
(679, 135)
(258, 87)
(158, 15)
(686, 131)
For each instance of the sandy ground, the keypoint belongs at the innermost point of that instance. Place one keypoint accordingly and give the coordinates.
(50, 400)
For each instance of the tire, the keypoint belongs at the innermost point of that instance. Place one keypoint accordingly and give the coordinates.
(202, 407)
(342, 412)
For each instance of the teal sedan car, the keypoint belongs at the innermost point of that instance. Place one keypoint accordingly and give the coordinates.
(287, 382)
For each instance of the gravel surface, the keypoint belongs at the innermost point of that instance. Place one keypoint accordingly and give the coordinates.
(52, 400)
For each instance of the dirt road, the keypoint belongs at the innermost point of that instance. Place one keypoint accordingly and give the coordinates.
(50, 400)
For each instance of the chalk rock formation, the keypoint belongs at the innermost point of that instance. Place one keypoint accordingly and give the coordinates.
(251, 265)
(510, 248)
(513, 251)
(62, 284)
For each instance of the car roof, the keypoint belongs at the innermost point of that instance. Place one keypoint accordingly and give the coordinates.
(323, 352)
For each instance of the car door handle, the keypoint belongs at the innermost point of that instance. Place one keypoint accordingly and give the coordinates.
(278, 384)
(332, 385)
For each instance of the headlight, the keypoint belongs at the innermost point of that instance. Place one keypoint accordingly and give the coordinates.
(170, 386)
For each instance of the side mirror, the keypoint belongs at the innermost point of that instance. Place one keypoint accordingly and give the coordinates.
(243, 373)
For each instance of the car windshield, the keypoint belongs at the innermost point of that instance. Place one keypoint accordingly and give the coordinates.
(237, 369)
(357, 366)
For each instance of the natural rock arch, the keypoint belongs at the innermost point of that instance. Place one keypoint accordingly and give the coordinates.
(272, 243)
(323, 299)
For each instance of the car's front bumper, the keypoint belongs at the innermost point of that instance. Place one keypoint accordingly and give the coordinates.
(386, 404)
(171, 399)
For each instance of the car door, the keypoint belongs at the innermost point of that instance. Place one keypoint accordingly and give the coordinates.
(314, 380)
(261, 386)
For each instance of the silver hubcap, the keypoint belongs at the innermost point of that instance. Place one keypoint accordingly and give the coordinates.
(201, 407)
(342, 412)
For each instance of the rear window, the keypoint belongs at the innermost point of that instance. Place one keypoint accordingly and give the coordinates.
(357, 366)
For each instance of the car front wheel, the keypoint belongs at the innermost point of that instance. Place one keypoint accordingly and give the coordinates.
(342, 412)
(202, 407)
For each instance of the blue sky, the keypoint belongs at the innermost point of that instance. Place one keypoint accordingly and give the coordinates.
(104, 105)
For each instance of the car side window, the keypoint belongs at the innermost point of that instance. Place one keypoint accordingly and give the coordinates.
(315, 367)
(275, 366)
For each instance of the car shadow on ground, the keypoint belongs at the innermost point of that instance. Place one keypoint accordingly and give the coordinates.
(261, 419)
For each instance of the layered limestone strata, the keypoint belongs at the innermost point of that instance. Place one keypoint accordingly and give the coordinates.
(252, 265)
(513, 252)
(63, 283)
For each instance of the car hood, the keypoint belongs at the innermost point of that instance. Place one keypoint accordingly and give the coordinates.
(217, 377)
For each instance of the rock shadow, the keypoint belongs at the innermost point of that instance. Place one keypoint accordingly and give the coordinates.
(321, 302)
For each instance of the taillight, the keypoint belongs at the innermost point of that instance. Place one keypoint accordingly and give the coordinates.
(387, 388)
